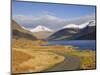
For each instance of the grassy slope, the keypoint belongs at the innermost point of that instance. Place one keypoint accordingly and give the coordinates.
(42, 35)
(87, 59)
(25, 61)
(20, 32)
(30, 47)
(27, 57)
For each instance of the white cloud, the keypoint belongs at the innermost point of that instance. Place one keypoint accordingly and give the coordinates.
(41, 20)
(80, 20)
(49, 20)
(23, 19)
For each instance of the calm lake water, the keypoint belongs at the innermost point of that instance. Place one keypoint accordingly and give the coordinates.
(81, 44)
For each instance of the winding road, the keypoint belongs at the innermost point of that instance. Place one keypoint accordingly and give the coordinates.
(70, 63)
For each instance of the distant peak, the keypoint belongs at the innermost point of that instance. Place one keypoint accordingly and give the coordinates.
(40, 28)
(71, 26)
(81, 26)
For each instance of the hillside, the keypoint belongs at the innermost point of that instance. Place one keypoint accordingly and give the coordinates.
(90, 33)
(19, 33)
(63, 34)
(85, 31)
(42, 35)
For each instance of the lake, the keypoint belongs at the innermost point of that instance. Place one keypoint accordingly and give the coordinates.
(81, 44)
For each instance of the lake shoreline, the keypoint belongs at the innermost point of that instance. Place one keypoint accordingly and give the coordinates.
(79, 44)
(84, 59)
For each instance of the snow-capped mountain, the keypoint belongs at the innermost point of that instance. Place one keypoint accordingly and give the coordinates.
(85, 31)
(76, 26)
(71, 26)
(92, 23)
(42, 32)
(41, 28)
(81, 26)
(89, 23)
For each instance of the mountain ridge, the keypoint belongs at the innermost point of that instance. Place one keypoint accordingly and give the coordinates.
(76, 32)
(18, 32)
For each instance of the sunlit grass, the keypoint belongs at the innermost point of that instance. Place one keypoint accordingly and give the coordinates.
(87, 59)
(25, 60)
(30, 56)
(24, 43)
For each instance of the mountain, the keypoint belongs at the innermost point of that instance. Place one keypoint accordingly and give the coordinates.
(63, 34)
(41, 28)
(41, 32)
(71, 26)
(85, 31)
(88, 33)
(18, 32)
(81, 26)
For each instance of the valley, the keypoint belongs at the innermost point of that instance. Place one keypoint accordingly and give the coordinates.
(52, 37)
(52, 58)
(31, 53)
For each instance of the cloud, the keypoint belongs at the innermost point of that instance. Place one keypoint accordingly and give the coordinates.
(50, 21)
(80, 20)
(47, 20)
(41, 20)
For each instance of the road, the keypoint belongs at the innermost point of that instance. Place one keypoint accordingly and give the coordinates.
(70, 63)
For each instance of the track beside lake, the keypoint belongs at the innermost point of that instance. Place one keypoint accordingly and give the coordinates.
(70, 63)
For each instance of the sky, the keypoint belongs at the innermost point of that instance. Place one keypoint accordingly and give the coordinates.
(55, 16)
